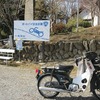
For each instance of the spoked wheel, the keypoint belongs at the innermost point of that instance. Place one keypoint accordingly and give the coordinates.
(96, 93)
(48, 81)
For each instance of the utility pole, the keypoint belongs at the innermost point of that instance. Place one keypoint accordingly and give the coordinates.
(28, 10)
(77, 16)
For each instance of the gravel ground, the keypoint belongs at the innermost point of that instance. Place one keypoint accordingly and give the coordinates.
(20, 84)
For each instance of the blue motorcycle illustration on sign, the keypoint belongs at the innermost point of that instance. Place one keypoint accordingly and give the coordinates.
(37, 31)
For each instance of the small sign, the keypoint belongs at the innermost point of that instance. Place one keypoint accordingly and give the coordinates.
(37, 30)
(19, 45)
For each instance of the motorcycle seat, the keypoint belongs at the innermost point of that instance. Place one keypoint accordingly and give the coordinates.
(66, 67)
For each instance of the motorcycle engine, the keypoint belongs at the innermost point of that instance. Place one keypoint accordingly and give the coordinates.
(73, 87)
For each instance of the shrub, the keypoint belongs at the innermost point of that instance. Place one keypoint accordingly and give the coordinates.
(73, 21)
(85, 24)
(71, 24)
(59, 28)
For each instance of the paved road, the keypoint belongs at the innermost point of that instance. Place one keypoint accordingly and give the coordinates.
(20, 84)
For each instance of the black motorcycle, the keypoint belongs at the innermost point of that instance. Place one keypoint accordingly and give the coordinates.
(53, 80)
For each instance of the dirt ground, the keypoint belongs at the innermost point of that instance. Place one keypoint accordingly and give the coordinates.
(19, 83)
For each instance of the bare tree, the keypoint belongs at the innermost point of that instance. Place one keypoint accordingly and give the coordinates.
(93, 7)
(53, 9)
(98, 9)
(98, 4)
(9, 11)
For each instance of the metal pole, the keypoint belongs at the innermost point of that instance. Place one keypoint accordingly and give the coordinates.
(33, 9)
(19, 56)
(77, 16)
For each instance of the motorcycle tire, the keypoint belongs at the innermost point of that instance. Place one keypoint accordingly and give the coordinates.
(48, 83)
(96, 93)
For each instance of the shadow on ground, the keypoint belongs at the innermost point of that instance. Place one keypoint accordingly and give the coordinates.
(75, 98)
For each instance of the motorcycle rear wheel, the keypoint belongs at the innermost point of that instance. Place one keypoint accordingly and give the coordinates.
(46, 81)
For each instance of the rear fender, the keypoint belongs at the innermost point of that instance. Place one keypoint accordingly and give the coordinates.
(39, 74)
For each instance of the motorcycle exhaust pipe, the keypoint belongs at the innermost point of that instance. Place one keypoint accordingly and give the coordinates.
(52, 89)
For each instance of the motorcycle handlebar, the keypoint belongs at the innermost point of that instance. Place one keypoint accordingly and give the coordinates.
(82, 57)
(79, 59)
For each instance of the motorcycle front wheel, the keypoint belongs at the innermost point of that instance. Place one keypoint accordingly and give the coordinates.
(48, 81)
(96, 93)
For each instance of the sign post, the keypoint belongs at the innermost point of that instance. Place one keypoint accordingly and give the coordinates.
(19, 46)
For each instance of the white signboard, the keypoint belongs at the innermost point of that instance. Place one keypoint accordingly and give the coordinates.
(37, 30)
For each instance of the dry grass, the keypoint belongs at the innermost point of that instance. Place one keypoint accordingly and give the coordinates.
(74, 72)
(21, 64)
(26, 65)
(85, 34)
(34, 66)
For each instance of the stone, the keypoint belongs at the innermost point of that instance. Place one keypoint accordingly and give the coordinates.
(98, 52)
(66, 56)
(58, 56)
(79, 52)
(66, 46)
(79, 46)
(98, 44)
(56, 46)
(93, 45)
(86, 45)
(61, 52)
(46, 53)
(70, 54)
(71, 47)
(75, 51)
(47, 48)
(41, 47)
(61, 45)
(54, 58)
(40, 56)
(52, 47)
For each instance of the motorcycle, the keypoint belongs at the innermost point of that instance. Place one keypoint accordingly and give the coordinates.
(53, 80)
